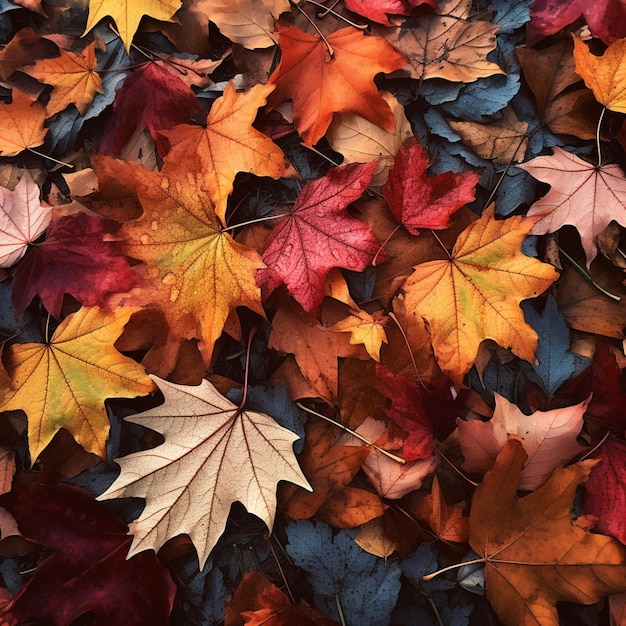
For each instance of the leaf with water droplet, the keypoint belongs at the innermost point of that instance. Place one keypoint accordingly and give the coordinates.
(318, 235)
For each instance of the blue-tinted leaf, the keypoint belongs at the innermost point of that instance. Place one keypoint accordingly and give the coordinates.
(555, 362)
(424, 561)
(339, 570)
(511, 14)
(437, 91)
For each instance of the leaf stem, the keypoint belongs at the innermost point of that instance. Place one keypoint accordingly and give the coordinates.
(331, 52)
(47, 156)
(341, 615)
(455, 468)
(242, 404)
(436, 236)
(268, 540)
(255, 221)
(384, 243)
(328, 10)
(392, 456)
(598, 146)
(333, 163)
(408, 346)
(589, 277)
(432, 575)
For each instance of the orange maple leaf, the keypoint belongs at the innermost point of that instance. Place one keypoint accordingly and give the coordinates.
(321, 83)
(227, 144)
(22, 124)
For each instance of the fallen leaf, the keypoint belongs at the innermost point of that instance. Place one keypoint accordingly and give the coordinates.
(23, 219)
(22, 123)
(535, 556)
(128, 13)
(548, 437)
(74, 79)
(202, 272)
(361, 141)
(366, 329)
(475, 295)
(87, 570)
(318, 235)
(73, 259)
(581, 194)
(503, 140)
(418, 201)
(373, 538)
(214, 454)
(26, 47)
(378, 10)
(317, 81)
(447, 45)
(84, 369)
(226, 145)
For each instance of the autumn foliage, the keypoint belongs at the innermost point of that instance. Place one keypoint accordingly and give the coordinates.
(312, 312)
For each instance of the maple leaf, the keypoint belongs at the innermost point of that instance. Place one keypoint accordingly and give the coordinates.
(26, 47)
(534, 554)
(361, 141)
(87, 570)
(377, 10)
(22, 219)
(73, 77)
(214, 454)
(475, 294)
(606, 18)
(203, 273)
(22, 123)
(83, 368)
(74, 259)
(548, 437)
(419, 201)
(365, 328)
(153, 98)
(246, 22)
(605, 494)
(550, 73)
(261, 603)
(448, 45)
(226, 145)
(581, 194)
(603, 75)
(319, 234)
(128, 13)
(321, 84)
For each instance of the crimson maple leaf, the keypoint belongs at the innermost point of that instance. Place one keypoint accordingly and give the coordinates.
(318, 235)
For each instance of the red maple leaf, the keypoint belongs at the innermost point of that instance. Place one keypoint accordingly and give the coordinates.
(419, 201)
(87, 570)
(73, 259)
(377, 10)
(151, 98)
(318, 235)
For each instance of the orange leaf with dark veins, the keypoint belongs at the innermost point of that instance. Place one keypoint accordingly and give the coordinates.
(318, 235)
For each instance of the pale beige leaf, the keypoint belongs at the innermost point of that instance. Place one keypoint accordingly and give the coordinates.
(361, 141)
(213, 455)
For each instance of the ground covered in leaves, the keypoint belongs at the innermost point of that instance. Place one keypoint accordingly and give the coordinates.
(304, 302)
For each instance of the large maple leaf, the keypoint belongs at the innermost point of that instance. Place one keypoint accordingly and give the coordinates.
(73, 77)
(87, 570)
(214, 454)
(64, 383)
(475, 294)
(73, 259)
(534, 554)
(22, 123)
(227, 144)
(419, 201)
(128, 13)
(319, 234)
(581, 194)
(321, 84)
(202, 271)
(447, 44)
(22, 219)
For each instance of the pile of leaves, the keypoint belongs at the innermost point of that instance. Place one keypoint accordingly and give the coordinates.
(305, 302)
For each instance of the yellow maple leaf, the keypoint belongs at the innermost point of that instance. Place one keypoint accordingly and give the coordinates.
(475, 294)
(214, 454)
(226, 145)
(128, 13)
(73, 76)
(64, 383)
(199, 274)
(604, 75)
(366, 328)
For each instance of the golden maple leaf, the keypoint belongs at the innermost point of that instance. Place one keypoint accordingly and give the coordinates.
(199, 274)
(475, 294)
(64, 383)
(226, 145)
(22, 123)
(73, 76)
(535, 556)
(214, 454)
(128, 13)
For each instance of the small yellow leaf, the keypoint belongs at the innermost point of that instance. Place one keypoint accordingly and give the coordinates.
(367, 329)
